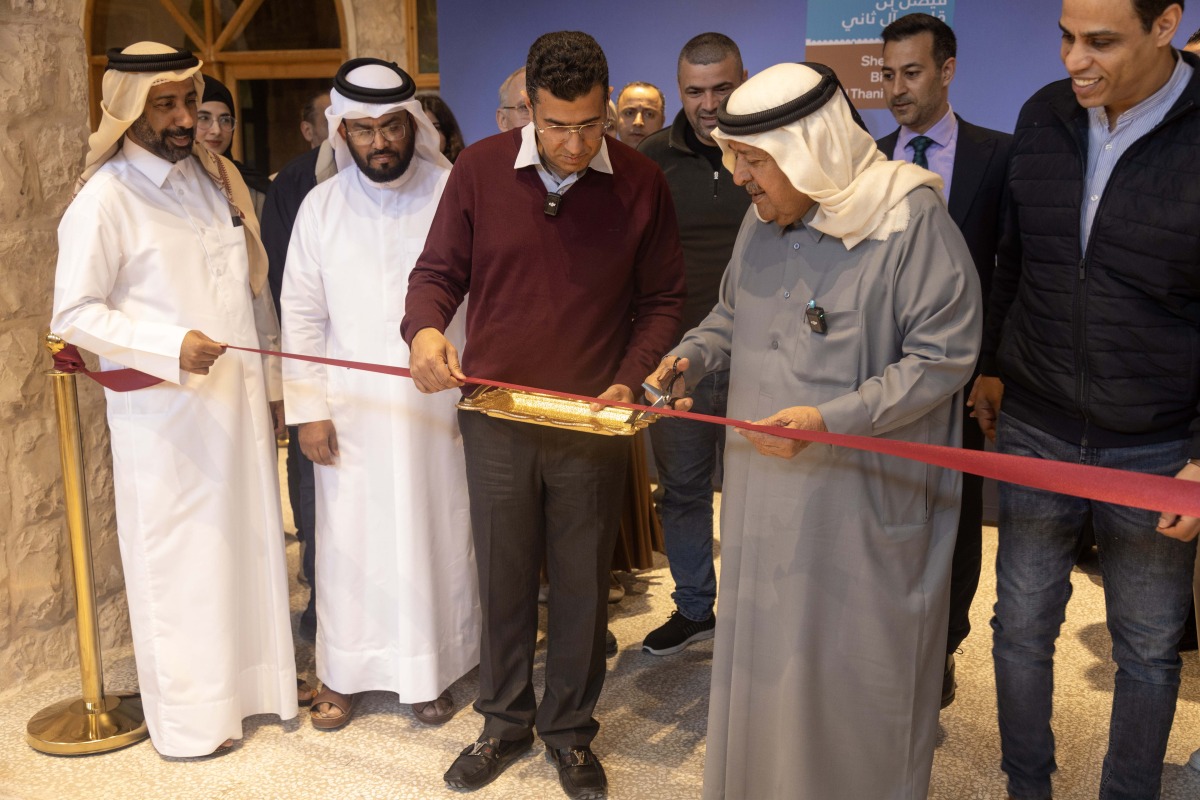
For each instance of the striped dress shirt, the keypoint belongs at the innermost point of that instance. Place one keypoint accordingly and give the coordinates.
(1105, 147)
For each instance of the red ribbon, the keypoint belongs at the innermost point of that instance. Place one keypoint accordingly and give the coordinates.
(69, 361)
(1135, 489)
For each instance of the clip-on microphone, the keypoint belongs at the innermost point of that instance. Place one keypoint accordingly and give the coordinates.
(552, 205)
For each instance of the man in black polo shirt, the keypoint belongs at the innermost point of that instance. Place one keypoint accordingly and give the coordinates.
(710, 209)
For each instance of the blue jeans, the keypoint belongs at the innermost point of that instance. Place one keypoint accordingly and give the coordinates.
(1147, 582)
(686, 454)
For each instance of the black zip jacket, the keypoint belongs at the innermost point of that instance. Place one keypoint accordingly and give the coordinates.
(1101, 348)
(710, 209)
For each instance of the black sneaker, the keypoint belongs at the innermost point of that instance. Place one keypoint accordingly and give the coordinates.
(482, 762)
(677, 633)
(579, 772)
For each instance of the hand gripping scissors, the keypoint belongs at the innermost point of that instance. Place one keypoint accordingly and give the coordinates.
(662, 398)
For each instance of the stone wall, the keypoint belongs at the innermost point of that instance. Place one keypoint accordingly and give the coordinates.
(43, 136)
(377, 30)
(43, 105)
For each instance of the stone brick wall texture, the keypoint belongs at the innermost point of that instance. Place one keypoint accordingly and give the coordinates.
(379, 30)
(43, 139)
(43, 133)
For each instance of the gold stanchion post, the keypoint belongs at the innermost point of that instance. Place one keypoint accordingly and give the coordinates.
(97, 722)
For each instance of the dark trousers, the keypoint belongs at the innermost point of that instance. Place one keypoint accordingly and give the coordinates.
(968, 549)
(538, 491)
(303, 499)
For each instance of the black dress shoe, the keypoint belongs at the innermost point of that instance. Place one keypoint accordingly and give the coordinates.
(482, 762)
(610, 644)
(579, 772)
(949, 684)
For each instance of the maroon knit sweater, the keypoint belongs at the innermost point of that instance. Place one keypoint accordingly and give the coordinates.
(576, 302)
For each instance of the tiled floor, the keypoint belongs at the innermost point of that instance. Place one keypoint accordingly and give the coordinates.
(652, 715)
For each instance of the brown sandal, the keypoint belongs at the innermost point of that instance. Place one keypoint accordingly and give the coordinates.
(341, 702)
(435, 712)
(304, 693)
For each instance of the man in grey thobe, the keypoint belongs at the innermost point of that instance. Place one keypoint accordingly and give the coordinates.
(835, 563)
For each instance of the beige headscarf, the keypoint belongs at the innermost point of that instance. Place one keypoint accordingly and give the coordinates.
(826, 155)
(123, 101)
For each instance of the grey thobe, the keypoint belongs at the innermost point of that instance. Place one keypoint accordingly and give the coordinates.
(835, 564)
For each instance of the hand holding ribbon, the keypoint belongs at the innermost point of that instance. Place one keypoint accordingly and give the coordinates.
(434, 362)
(1171, 496)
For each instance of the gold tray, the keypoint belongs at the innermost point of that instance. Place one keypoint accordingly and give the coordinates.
(554, 412)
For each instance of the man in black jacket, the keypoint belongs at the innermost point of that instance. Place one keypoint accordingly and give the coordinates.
(1094, 330)
(919, 59)
(710, 209)
(286, 193)
(1191, 634)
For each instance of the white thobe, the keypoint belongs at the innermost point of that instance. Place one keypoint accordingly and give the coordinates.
(398, 606)
(148, 251)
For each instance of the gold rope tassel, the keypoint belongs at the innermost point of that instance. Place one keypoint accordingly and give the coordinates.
(97, 722)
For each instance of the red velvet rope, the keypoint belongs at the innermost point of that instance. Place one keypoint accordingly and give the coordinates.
(118, 380)
(1152, 492)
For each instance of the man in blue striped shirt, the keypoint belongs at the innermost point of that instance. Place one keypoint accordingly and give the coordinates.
(920, 55)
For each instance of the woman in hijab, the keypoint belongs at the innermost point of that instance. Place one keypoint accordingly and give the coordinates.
(215, 123)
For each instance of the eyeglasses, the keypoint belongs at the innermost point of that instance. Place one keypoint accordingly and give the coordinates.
(391, 133)
(204, 120)
(521, 109)
(591, 132)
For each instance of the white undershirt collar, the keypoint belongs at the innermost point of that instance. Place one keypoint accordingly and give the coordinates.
(528, 156)
(154, 167)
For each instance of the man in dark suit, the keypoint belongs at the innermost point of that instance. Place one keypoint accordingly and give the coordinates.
(287, 191)
(919, 57)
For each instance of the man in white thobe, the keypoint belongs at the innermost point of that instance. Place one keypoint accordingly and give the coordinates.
(398, 608)
(159, 264)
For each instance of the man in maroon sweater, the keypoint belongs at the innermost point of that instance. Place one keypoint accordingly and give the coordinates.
(567, 242)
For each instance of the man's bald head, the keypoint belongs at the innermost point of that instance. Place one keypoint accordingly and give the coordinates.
(512, 112)
(710, 67)
(640, 112)
(1193, 43)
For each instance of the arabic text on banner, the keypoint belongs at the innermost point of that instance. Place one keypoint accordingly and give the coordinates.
(844, 34)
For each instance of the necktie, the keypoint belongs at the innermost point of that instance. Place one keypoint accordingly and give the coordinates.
(919, 145)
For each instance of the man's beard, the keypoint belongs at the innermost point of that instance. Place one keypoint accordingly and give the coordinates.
(384, 175)
(156, 142)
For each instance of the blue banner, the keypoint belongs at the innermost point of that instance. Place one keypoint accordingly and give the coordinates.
(860, 21)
